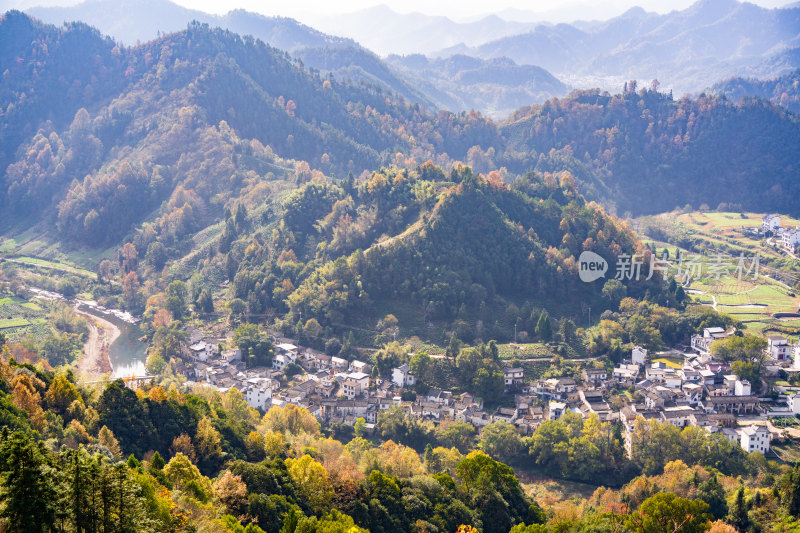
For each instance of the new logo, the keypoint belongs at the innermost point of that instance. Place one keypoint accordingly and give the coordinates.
(591, 266)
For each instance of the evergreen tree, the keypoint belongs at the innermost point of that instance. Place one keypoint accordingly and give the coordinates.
(544, 330)
(791, 492)
(28, 490)
(713, 494)
(453, 347)
(204, 302)
(567, 331)
(428, 457)
(290, 521)
(738, 516)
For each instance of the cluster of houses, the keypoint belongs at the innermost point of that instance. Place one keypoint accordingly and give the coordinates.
(789, 237)
(699, 392)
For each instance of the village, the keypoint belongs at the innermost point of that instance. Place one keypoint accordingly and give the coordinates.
(699, 392)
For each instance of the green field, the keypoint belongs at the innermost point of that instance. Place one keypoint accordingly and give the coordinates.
(17, 322)
(723, 232)
(41, 249)
(52, 265)
(524, 351)
(20, 317)
(788, 451)
(704, 236)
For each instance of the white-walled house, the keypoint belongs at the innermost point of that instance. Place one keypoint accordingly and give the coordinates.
(203, 351)
(638, 355)
(402, 376)
(359, 366)
(771, 223)
(286, 347)
(356, 383)
(232, 355)
(350, 388)
(513, 377)
(673, 380)
(692, 393)
(742, 388)
(778, 348)
(339, 364)
(755, 439)
(556, 410)
(702, 343)
(259, 395)
(791, 239)
(280, 361)
(594, 375)
(626, 374)
(793, 400)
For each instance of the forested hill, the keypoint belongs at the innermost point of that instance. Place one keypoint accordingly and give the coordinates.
(430, 247)
(654, 153)
(84, 117)
(783, 90)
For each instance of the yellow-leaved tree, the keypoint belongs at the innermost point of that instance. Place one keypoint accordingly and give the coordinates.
(311, 480)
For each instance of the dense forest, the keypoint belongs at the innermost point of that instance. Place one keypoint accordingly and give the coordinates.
(430, 246)
(654, 153)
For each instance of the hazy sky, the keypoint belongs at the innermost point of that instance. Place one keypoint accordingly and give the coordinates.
(456, 9)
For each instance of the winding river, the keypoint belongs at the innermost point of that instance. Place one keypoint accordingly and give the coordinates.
(125, 353)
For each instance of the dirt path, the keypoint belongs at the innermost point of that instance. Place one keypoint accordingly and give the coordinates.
(94, 361)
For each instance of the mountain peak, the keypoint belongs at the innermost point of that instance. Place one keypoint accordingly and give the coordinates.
(712, 8)
(634, 12)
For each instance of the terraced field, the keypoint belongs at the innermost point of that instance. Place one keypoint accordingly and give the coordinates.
(718, 239)
(20, 317)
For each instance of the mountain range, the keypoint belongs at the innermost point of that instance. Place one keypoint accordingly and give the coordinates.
(207, 110)
(510, 63)
(223, 159)
(131, 21)
(686, 50)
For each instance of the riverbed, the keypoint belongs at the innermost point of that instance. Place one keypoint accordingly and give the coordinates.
(125, 353)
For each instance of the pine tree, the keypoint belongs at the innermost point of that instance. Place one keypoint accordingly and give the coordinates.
(290, 521)
(453, 347)
(543, 327)
(713, 494)
(28, 491)
(738, 517)
(428, 457)
(791, 493)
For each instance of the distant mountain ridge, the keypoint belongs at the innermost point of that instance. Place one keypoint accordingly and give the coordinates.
(495, 86)
(384, 30)
(132, 21)
(98, 137)
(120, 113)
(687, 50)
